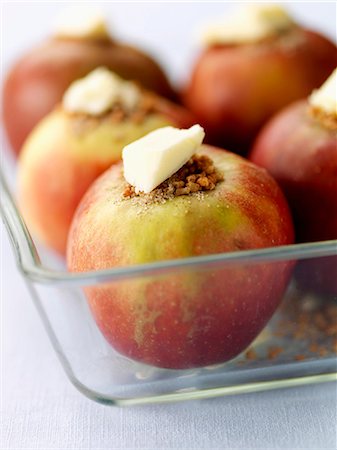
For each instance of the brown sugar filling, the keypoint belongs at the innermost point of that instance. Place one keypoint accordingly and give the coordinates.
(327, 120)
(197, 175)
(146, 106)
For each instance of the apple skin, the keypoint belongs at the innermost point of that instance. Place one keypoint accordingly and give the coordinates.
(192, 317)
(58, 164)
(39, 79)
(301, 154)
(234, 89)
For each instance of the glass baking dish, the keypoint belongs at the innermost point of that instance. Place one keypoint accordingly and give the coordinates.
(297, 347)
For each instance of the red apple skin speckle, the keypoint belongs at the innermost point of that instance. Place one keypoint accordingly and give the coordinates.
(193, 317)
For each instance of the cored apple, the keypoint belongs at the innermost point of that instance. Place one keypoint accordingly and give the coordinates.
(301, 154)
(239, 82)
(68, 150)
(38, 80)
(299, 149)
(189, 317)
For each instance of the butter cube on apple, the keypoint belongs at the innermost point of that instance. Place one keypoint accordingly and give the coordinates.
(81, 22)
(98, 92)
(251, 23)
(155, 157)
(325, 98)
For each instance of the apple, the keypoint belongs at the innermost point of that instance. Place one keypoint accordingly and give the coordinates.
(189, 317)
(67, 151)
(38, 80)
(299, 149)
(301, 154)
(235, 87)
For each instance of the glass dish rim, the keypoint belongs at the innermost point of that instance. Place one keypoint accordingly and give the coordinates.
(30, 265)
(205, 393)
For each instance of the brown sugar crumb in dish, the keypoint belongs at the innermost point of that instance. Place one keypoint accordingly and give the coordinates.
(251, 354)
(313, 321)
(274, 352)
(197, 175)
(306, 329)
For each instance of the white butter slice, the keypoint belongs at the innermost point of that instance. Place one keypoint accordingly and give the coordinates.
(152, 159)
(98, 92)
(249, 24)
(81, 22)
(325, 98)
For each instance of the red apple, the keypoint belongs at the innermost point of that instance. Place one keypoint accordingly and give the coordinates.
(194, 317)
(300, 152)
(39, 79)
(66, 152)
(235, 89)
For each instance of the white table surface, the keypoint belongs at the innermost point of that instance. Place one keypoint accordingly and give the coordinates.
(40, 409)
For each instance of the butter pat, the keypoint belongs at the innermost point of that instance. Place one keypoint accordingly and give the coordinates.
(325, 98)
(158, 155)
(98, 92)
(251, 23)
(81, 22)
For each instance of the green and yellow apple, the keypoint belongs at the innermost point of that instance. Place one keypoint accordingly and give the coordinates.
(67, 150)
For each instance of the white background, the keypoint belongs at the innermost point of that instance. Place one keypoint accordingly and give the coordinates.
(39, 408)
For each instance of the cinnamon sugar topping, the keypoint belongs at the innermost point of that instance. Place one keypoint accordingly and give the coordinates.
(146, 106)
(197, 175)
(327, 120)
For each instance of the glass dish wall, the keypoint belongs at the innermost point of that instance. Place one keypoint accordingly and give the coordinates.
(297, 346)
